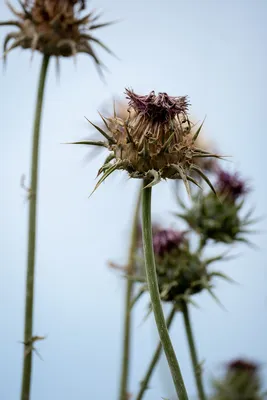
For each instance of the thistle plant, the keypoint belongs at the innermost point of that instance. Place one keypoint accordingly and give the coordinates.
(241, 382)
(157, 143)
(219, 218)
(181, 273)
(53, 28)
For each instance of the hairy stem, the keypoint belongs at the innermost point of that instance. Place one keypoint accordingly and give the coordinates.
(193, 353)
(29, 301)
(144, 383)
(155, 297)
(128, 304)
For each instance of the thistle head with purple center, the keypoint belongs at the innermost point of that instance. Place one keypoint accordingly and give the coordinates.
(156, 142)
(159, 108)
(167, 240)
(231, 185)
(241, 365)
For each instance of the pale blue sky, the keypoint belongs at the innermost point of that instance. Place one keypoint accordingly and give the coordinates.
(213, 51)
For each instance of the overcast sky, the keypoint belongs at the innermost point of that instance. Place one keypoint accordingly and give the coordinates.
(213, 51)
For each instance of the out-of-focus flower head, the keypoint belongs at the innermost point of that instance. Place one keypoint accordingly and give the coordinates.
(231, 186)
(219, 217)
(55, 28)
(241, 381)
(181, 272)
(166, 240)
(242, 365)
(155, 142)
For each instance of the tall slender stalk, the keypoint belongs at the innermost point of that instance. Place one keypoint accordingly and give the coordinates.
(144, 382)
(28, 322)
(155, 297)
(128, 302)
(193, 353)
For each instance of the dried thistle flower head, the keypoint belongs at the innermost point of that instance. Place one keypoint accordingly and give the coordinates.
(155, 142)
(55, 28)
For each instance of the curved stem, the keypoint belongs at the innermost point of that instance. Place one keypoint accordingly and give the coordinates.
(128, 304)
(28, 322)
(155, 297)
(144, 383)
(193, 353)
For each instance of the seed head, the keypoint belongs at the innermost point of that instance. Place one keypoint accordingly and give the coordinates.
(155, 142)
(55, 28)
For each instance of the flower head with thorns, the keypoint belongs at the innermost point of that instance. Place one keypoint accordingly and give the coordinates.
(181, 272)
(55, 28)
(231, 186)
(241, 381)
(221, 218)
(154, 143)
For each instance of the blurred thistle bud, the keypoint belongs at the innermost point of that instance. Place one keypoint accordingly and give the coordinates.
(154, 143)
(55, 28)
(219, 218)
(230, 186)
(166, 240)
(180, 272)
(241, 382)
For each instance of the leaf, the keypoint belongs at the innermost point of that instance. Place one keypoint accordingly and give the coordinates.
(103, 25)
(89, 143)
(203, 176)
(190, 179)
(156, 179)
(109, 138)
(168, 141)
(223, 276)
(198, 131)
(139, 294)
(213, 295)
(104, 177)
(184, 177)
(101, 44)
(104, 120)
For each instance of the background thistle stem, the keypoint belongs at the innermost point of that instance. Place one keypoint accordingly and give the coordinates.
(193, 353)
(155, 296)
(128, 302)
(144, 382)
(28, 337)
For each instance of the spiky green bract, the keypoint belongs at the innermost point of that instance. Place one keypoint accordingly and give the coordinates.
(217, 219)
(181, 273)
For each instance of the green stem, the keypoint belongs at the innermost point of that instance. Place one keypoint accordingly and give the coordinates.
(193, 353)
(155, 297)
(28, 322)
(128, 304)
(144, 383)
